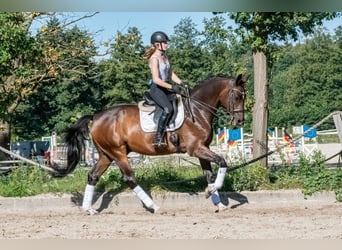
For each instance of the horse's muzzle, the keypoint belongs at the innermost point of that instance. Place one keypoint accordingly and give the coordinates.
(236, 122)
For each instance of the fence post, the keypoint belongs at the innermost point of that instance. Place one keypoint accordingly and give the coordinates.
(338, 124)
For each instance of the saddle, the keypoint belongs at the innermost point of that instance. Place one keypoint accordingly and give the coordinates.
(150, 113)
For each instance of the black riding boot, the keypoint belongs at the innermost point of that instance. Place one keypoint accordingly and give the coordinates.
(159, 137)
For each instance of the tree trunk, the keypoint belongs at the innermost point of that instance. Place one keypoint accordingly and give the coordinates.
(260, 109)
(4, 139)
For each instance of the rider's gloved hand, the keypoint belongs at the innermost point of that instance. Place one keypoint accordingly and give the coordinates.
(175, 88)
(184, 85)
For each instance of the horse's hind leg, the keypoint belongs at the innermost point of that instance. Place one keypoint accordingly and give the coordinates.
(93, 177)
(131, 181)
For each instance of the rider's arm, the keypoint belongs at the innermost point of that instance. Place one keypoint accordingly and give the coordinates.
(175, 78)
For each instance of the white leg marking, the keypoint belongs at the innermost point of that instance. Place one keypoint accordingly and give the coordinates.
(220, 177)
(88, 199)
(138, 191)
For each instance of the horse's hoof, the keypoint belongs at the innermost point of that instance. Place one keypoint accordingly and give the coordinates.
(207, 193)
(221, 207)
(152, 209)
(91, 211)
(155, 208)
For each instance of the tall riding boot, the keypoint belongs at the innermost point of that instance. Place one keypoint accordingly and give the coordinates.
(159, 137)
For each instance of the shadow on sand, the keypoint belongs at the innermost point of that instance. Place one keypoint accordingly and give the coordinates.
(239, 199)
(106, 198)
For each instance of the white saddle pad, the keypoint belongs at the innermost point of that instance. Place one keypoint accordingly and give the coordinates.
(146, 118)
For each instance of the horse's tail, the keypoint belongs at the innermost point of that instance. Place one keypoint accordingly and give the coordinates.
(74, 140)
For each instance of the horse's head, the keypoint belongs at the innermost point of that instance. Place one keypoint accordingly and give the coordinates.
(221, 91)
(236, 100)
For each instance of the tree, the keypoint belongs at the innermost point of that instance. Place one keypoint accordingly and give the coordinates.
(186, 55)
(56, 104)
(225, 55)
(224, 51)
(307, 84)
(16, 48)
(29, 61)
(259, 30)
(126, 73)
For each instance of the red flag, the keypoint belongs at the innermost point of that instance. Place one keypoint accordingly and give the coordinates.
(286, 136)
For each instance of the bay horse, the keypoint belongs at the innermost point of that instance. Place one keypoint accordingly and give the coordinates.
(116, 131)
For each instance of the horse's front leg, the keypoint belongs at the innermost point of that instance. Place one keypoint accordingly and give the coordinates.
(214, 184)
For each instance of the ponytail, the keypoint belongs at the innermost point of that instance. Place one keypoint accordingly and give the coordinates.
(148, 53)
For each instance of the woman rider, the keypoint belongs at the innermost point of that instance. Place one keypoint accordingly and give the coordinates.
(162, 73)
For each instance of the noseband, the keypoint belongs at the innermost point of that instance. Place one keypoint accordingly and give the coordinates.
(231, 97)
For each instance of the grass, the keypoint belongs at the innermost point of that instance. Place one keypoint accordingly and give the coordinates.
(332, 138)
(309, 176)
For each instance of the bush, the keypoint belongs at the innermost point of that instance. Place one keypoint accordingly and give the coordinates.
(250, 178)
(316, 177)
(23, 181)
(28, 181)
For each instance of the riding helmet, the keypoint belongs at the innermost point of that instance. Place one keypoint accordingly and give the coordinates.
(159, 36)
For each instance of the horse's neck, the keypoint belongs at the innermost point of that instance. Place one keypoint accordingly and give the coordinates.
(205, 105)
(209, 95)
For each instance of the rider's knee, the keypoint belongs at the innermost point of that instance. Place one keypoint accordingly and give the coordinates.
(168, 110)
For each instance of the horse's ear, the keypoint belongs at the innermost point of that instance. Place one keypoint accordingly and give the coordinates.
(240, 80)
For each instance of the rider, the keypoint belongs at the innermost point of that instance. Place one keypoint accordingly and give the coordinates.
(162, 73)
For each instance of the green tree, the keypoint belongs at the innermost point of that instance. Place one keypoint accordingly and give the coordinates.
(186, 55)
(225, 55)
(259, 30)
(223, 50)
(29, 61)
(17, 48)
(307, 82)
(57, 103)
(126, 72)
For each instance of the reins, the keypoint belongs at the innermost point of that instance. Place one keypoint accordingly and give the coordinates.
(211, 109)
(188, 100)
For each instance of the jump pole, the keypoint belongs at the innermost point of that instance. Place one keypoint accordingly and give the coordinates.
(26, 160)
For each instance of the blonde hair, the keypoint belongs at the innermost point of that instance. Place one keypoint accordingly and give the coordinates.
(148, 53)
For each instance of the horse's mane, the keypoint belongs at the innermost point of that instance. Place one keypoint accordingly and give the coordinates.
(211, 78)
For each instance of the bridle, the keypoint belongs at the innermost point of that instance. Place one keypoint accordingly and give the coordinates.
(231, 97)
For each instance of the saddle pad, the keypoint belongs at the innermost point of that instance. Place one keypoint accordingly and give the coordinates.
(148, 125)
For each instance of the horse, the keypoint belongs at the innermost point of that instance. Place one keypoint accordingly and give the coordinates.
(116, 131)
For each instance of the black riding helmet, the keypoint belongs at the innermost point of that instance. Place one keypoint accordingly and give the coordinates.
(159, 36)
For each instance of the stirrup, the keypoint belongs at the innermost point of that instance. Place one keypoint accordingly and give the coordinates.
(159, 143)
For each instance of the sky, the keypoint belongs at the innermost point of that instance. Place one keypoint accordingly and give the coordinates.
(106, 24)
(146, 22)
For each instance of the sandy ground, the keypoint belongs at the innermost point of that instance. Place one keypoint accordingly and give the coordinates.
(276, 217)
(293, 221)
